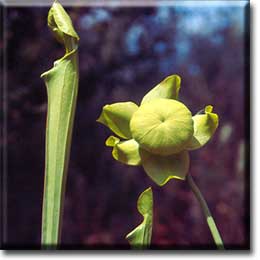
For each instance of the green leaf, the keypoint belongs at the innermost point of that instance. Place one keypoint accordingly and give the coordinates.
(61, 24)
(168, 88)
(205, 126)
(117, 117)
(126, 152)
(140, 237)
(62, 88)
(163, 168)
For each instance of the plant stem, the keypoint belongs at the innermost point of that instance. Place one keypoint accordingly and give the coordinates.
(211, 223)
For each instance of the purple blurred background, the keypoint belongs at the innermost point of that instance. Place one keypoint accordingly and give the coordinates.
(124, 52)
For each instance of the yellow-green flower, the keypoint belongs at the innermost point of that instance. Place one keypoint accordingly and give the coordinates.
(159, 133)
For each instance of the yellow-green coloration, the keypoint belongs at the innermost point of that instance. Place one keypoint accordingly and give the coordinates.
(117, 117)
(160, 131)
(204, 127)
(127, 152)
(163, 168)
(140, 237)
(210, 221)
(62, 88)
(168, 88)
(162, 126)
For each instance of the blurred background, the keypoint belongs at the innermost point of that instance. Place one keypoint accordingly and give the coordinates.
(124, 52)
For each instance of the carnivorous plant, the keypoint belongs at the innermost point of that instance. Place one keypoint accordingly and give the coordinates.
(158, 135)
(62, 87)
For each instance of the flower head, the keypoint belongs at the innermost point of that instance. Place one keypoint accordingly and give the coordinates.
(159, 133)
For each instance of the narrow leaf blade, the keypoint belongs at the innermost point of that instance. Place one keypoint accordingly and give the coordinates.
(62, 87)
(140, 237)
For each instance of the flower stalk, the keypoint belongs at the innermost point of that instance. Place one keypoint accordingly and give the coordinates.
(211, 223)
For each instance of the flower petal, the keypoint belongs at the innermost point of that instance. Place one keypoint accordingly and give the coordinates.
(163, 168)
(117, 117)
(126, 152)
(112, 141)
(168, 88)
(205, 126)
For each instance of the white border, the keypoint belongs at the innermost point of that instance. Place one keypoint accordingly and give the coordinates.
(255, 170)
(255, 138)
(124, 2)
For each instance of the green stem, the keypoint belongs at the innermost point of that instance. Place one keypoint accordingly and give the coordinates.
(211, 223)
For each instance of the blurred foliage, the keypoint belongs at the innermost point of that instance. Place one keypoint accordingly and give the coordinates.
(124, 51)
